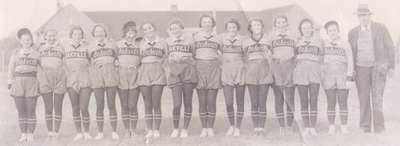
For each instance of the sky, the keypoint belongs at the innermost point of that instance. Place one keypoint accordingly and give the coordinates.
(15, 14)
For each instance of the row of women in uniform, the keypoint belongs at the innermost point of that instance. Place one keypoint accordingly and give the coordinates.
(280, 60)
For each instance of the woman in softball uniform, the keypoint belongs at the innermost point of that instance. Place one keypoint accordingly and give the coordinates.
(283, 46)
(306, 75)
(129, 60)
(152, 77)
(258, 73)
(23, 84)
(52, 81)
(337, 71)
(104, 78)
(209, 73)
(77, 65)
(233, 74)
(181, 74)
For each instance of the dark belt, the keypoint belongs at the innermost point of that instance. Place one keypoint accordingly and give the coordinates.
(25, 74)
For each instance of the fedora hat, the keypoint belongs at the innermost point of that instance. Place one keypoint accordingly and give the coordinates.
(363, 10)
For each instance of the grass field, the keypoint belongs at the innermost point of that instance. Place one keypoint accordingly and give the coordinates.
(9, 131)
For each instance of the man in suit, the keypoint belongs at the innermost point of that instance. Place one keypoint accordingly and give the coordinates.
(373, 54)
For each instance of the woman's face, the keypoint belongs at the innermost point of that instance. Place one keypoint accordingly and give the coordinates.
(332, 31)
(256, 27)
(232, 28)
(77, 35)
(131, 33)
(175, 29)
(148, 30)
(307, 29)
(26, 40)
(281, 23)
(99, 33)
(206, 23)
(51, 37)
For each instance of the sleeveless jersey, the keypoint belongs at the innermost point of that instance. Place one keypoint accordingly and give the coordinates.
(179, 48)
(309, 49)
(206, 46)
(152, 51)
(282, 44)
(102, 53)
(232, 48)
(128, 53)
(51, 56)
(257, 49)
(76, 56)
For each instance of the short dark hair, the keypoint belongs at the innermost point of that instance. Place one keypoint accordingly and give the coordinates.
(148, 22)
(207, 16)
(255, 20)
(127, 26)
(233, 21)
(24, 31)
(280, 17)
(177, 21)
(76, 27)
(99, 25)
(331, 23)
(306, 20)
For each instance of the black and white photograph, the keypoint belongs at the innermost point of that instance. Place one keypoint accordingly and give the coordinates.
(199, 73)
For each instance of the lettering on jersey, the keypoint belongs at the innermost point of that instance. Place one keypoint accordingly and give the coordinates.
(206, 44)
(76, 54)
(153, 51)
(308, 49)
(283, 43)
(257, 48)
(334, 51)
(51, 53)
(179, 48)
(27, 61)
(102, 52)
(129, 51)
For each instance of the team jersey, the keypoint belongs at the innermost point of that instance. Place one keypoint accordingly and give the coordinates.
(283, 44)
(232, 47)
(152, 51)
(51, 55)
(338, 52)
(128, 53)
(102, 53)
(76, 56)
(179, 48)
(309, 49)
(206, 45)
(23, 60)
(257, 49)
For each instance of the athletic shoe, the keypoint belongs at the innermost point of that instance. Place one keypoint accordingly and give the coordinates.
(156, 134)
(114, 135)
(332, 129)
(29, 137)
(313, 132)
(175, 133)
(149, 134)
(230, 131)
(306, 132)
(203, 132)
(99, 136)
(184, 133)
(78, 136)
(210, 132)
(87, 136)
(22, 138)
(344, 130)
(236, 132)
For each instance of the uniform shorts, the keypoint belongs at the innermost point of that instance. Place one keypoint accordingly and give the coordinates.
(209, 74)
(77, 79)
(52, 80)
(258, 72)
(151, 74)
(334, 76)
(128, 78)
(233, 73)
(179, 73)
(283, 72)
(25, 86)
(104, 76)
(307, 72)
